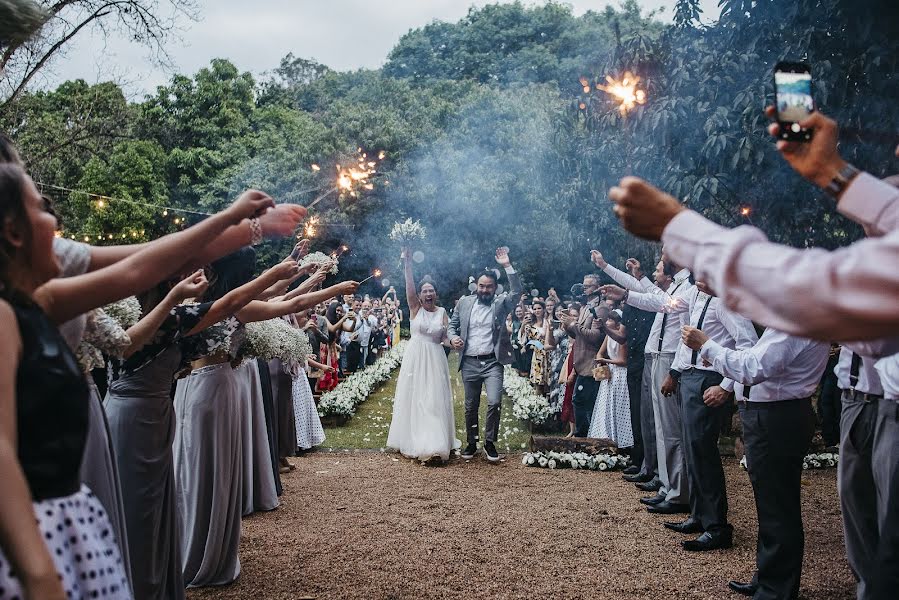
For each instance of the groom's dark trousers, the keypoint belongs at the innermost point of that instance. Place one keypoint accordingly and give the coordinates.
(478, 372)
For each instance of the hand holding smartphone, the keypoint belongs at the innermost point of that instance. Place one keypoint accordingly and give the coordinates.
(793, 99)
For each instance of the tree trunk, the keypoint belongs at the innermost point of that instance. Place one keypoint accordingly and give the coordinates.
(541, 443)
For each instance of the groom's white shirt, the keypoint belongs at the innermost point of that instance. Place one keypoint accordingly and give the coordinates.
(480, 330)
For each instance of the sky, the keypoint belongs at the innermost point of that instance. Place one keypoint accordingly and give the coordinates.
(343, 34)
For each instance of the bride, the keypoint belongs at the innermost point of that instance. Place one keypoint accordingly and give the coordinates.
(423, 425)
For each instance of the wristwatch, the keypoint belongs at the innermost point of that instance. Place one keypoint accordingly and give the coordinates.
(841, 181)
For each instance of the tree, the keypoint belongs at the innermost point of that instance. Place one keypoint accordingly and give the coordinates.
(142, 20)
(19, 19)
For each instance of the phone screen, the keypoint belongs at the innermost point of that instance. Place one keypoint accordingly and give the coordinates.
(794, 100)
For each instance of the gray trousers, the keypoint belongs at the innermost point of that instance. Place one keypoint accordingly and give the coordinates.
(672, 465)
(708, 494)
(650, 464)
(475, 375)
(869, 493)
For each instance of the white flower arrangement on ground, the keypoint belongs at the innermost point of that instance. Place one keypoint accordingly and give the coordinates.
(408, 231)
(575, 460)
(352, 391)
(318, 259)
(527, 404)
(276, 338)
(825, 460)
(126, 312)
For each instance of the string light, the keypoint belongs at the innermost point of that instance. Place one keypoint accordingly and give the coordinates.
(101, 200)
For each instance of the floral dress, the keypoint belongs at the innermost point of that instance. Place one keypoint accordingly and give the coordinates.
(539, 363)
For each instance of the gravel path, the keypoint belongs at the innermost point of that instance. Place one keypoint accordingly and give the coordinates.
(368, 525)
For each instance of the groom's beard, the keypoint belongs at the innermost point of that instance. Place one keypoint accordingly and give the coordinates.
(485, 299)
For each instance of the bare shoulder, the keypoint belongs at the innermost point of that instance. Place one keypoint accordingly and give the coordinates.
(11, 340)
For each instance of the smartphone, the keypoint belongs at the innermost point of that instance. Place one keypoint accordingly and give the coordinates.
(793, 99)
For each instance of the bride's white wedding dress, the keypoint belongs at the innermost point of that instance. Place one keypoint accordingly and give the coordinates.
(423, 424)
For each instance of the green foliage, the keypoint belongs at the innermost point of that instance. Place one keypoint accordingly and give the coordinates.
(484, 136)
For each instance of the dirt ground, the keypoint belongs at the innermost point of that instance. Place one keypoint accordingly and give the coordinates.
(369, 525)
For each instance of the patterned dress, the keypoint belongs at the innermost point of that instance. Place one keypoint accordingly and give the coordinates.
(612, 412)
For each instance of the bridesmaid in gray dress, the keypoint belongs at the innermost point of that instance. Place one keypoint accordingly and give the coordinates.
(142, 426)
(260, 492)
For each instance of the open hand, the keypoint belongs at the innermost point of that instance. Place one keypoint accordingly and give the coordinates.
(282, 220)
(644, 210)
(502, 257)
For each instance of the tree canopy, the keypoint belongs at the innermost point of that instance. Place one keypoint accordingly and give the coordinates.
(488, 135)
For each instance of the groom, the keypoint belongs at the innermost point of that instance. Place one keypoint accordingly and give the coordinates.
(478, 330)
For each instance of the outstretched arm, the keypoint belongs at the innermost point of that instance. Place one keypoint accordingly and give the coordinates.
(263, 311)
(65, 298)
(411, 296)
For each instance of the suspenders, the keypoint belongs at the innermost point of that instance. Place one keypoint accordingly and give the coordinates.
(705, 308)
(665, 318)
(854, 369)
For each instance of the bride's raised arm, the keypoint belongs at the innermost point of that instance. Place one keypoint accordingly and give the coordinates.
(411, 296)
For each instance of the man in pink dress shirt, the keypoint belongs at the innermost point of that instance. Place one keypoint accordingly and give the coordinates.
(849, 294)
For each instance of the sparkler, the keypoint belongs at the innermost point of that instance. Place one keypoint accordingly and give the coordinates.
(309, 229)
(351, 178)
(375, 273)
(625, 90)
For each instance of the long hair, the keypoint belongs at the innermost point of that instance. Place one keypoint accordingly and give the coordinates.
(12, 209)
(230, 272)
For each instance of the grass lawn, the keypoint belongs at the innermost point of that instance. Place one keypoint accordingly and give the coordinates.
(369, 427)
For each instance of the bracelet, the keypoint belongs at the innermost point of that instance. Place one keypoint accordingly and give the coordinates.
(626, 294)
(256, 229)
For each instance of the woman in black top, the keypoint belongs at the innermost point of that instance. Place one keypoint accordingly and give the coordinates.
(69, 547)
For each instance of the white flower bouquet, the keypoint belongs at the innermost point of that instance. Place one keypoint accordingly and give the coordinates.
(575, 460)
(276, 338)
(126, 312)
(407, 231)
(352, 391)
(820, 461)
(527, 404)
(318, 259)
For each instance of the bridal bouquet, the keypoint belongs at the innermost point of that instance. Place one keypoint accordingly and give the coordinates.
(575, 460)
(276, 338)
(527, 404)
(126, 312)
(407, 231)
(318, 259)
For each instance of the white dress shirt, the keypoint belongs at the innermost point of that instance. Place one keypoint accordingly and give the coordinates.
(868, 379)
(673, 303)
(727, 329)
(848, 294)
(779, 367)
(629, 282)
(888, 370)
(480, 330)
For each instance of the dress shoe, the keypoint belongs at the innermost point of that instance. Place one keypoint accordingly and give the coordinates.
(490, 452)
(650, 486)
(746, 589)
(638, 478)
(669, 508)
(652, 500)
(631, 470)
(469, 451)
(691, 525)
(709, 541)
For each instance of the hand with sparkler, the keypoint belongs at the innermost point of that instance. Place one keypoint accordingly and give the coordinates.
(375, 273)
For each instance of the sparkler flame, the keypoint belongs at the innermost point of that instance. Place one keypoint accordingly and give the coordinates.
(625, 90)
(350, 179)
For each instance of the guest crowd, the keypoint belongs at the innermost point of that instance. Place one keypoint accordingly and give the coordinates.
(141, 494)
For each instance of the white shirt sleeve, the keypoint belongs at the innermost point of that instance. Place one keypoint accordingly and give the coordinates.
(846, 294)
(753, 365)
(661, 303)
(623, 279)
(872, 203)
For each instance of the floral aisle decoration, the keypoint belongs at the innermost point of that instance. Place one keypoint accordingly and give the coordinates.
(575, 460)
(276, 338)
(407, 231)
(126, 312)
(527, 404)
(823, 460)
(318, 259)
(352, 391)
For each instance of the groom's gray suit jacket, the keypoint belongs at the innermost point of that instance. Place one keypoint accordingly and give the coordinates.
(503, 304)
